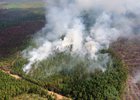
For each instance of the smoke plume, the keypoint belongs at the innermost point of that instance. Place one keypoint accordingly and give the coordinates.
(83, 27)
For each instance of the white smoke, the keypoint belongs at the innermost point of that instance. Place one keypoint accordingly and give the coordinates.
(83, 27)
(136, 78)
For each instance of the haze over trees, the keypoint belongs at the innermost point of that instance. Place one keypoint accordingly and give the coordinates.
(76, 81)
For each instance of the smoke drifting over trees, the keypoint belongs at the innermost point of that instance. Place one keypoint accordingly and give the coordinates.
(83, 27)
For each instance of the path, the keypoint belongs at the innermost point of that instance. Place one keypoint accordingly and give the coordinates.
(56, 95)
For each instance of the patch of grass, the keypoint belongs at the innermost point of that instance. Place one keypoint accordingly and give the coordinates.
(22, 5)
(8, 61)
(29, 97)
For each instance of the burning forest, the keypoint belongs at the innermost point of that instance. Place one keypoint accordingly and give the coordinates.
(83, 28)
(77, 52)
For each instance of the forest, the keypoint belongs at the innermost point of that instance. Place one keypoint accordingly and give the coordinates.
(10, 87)
(76, 81)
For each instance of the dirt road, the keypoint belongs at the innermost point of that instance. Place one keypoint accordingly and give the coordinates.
(56, 95)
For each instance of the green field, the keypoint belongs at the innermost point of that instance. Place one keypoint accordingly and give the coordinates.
(24, 5)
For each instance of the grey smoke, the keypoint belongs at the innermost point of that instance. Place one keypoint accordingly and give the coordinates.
(83, 27)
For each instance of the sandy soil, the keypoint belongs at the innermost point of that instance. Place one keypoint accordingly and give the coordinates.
(129, 51)
(9, 73)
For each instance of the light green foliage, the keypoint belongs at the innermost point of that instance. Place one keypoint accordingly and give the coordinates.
(10, 87)
(78, 82)
(23, 5)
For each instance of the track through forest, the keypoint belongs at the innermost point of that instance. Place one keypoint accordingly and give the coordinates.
(56, 95)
